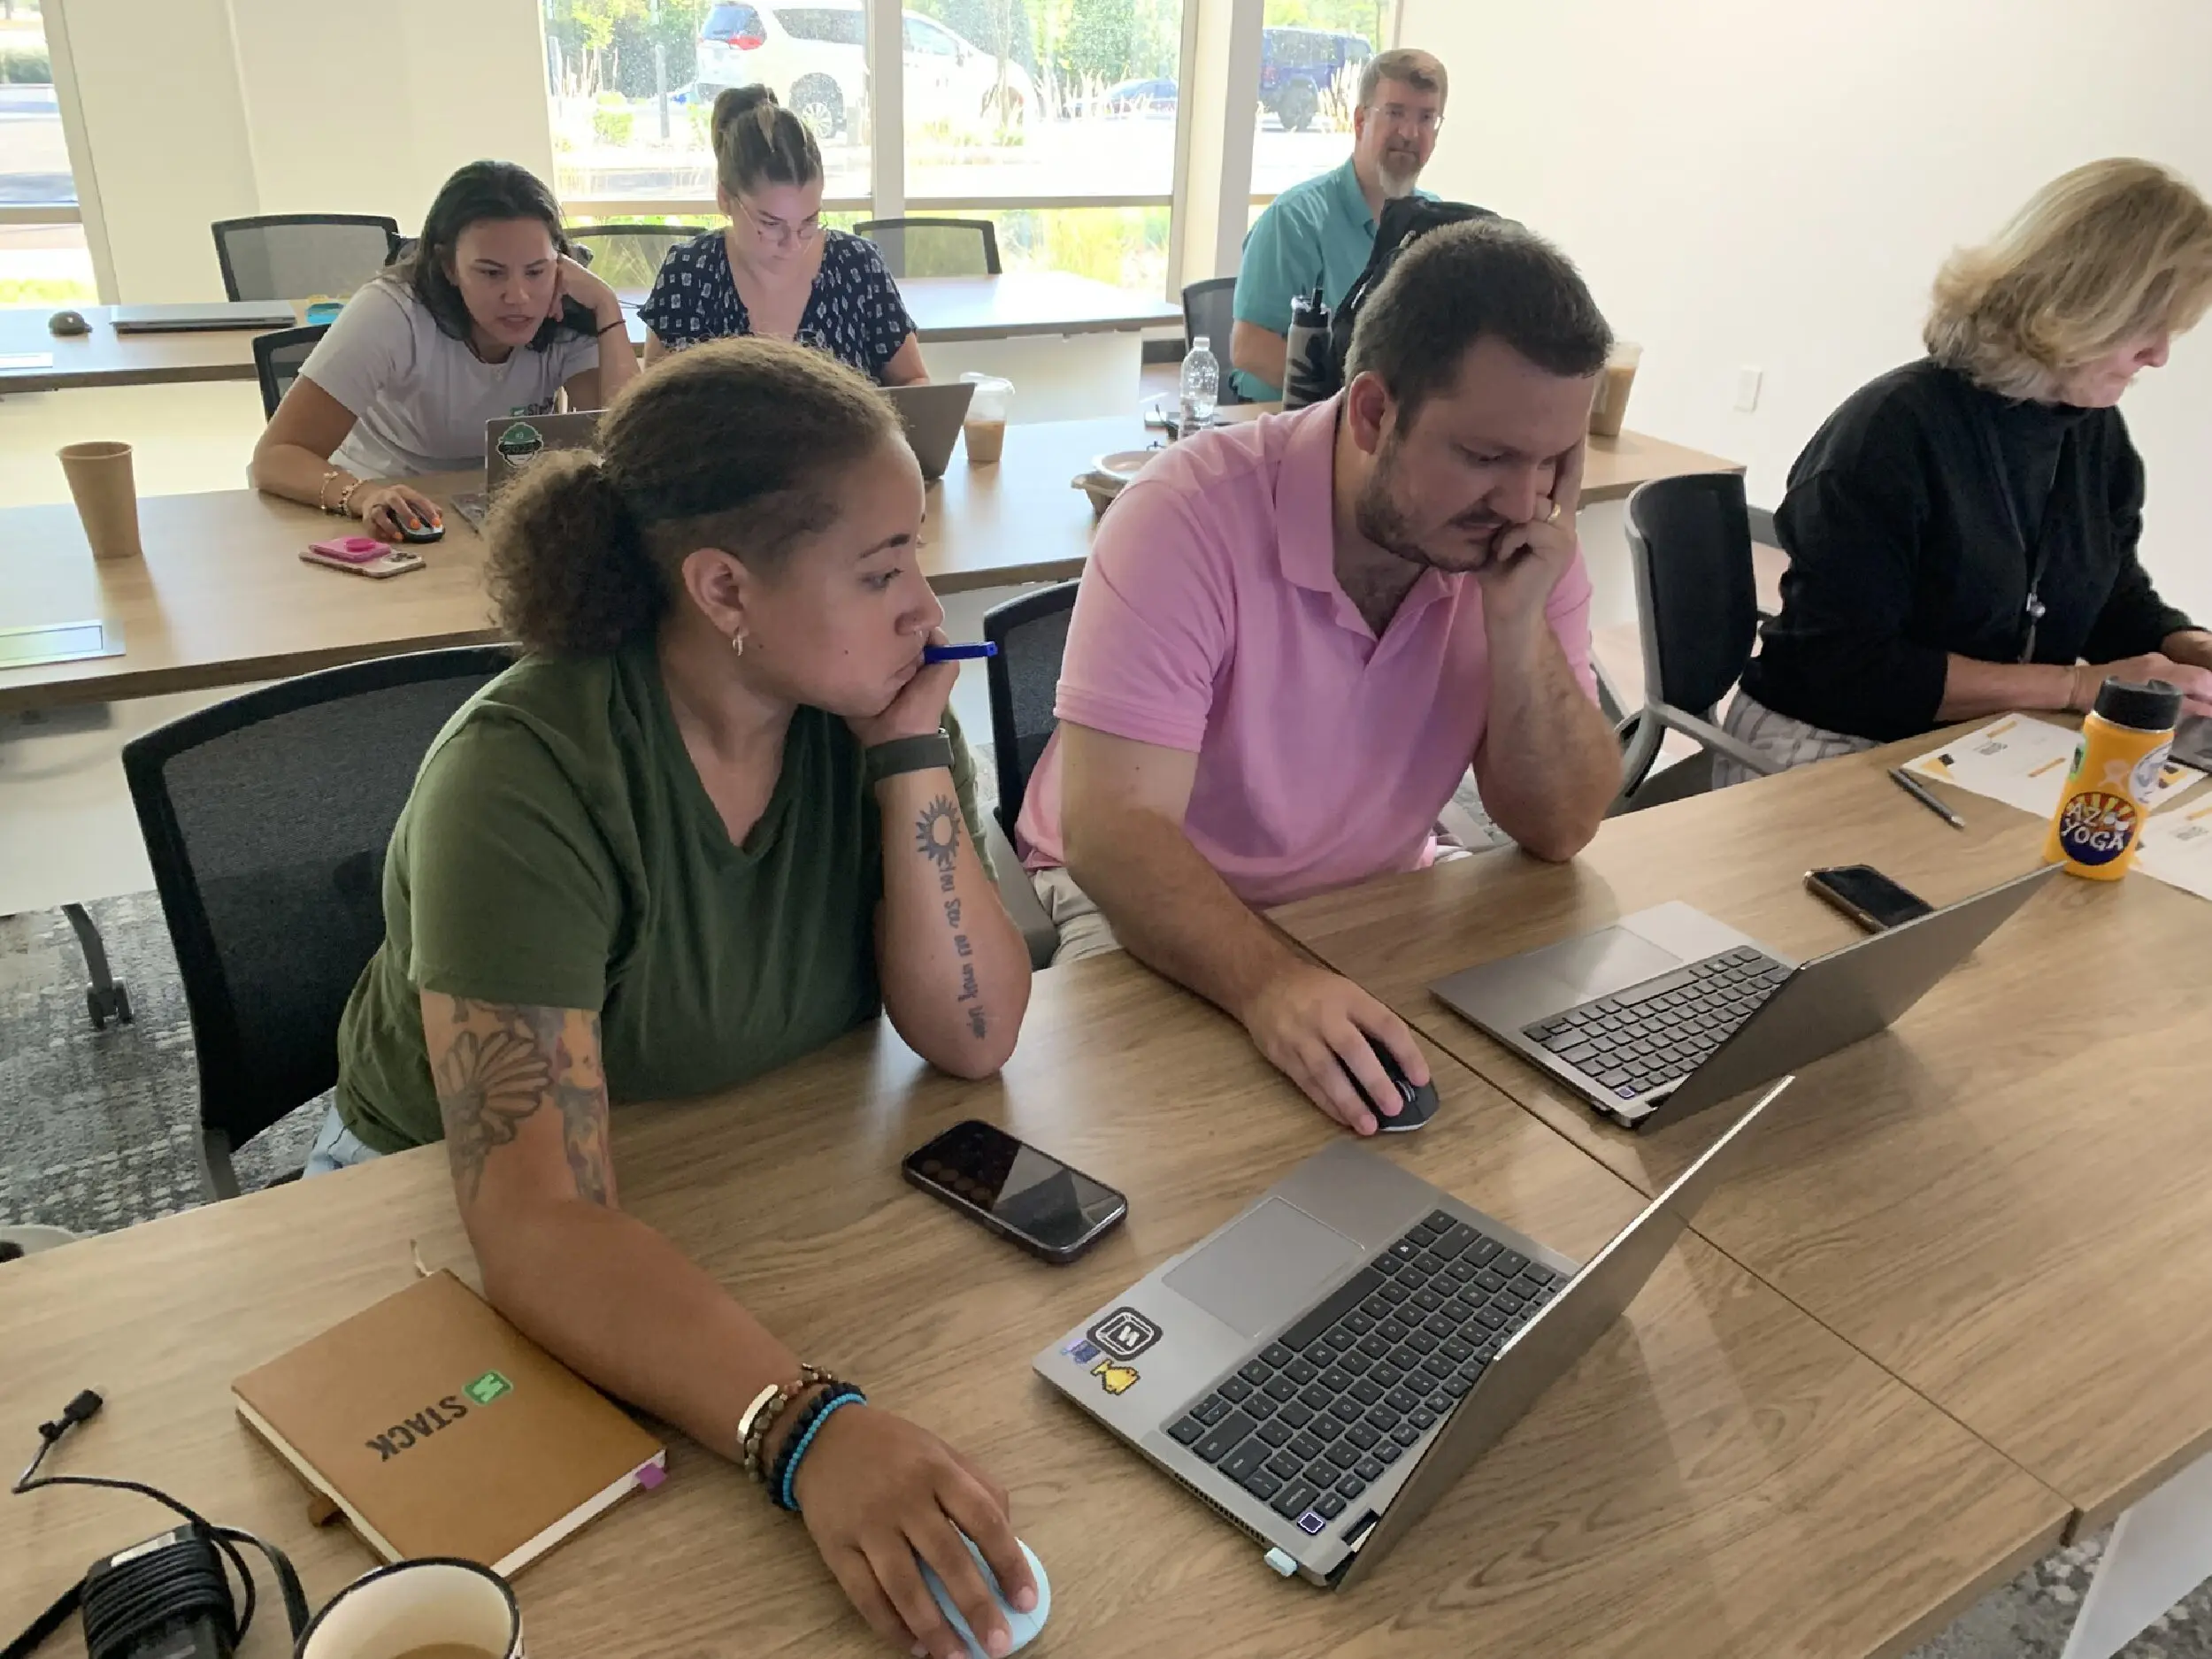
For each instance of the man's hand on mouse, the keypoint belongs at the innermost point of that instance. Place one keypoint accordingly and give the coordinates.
(875, 1491)
(1313, 1024)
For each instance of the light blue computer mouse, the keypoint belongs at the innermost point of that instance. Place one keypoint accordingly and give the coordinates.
(1022, 1626)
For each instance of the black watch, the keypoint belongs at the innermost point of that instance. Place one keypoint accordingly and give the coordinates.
(907, 754)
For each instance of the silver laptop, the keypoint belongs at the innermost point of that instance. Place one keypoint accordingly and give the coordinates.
(1669, 1011)
(181, 320)
(512, 443)
(1322, 1369)
(932, 415)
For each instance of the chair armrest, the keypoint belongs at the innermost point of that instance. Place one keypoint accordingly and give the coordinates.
(1711, 737)
(1019, 898)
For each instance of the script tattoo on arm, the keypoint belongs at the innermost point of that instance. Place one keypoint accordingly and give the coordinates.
(498, 1066)
(937, 837)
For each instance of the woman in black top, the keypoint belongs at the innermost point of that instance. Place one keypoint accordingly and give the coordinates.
(1963, 532)
(775, 271)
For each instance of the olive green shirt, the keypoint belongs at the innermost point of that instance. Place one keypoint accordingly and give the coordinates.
(559, 850)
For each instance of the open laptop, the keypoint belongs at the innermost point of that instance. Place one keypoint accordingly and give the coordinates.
(1669, 1011)
(512, 443)
(1322, 1369)
(932, 415)
(184, 319)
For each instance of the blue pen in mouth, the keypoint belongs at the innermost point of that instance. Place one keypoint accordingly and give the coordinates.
(957, 653)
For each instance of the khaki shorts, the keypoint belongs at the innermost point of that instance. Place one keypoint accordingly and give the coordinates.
(1084, 931)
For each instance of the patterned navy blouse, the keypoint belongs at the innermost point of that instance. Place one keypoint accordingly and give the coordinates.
(854, 313)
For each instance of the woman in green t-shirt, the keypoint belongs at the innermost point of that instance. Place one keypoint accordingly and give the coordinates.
(716, 816)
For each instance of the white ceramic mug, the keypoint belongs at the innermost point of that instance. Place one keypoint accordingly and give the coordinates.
(441, 1605)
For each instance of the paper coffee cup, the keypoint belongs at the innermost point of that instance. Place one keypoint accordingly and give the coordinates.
(107, 499)
(441, 1608)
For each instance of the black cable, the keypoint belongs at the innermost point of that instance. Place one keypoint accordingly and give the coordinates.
(190, 1584)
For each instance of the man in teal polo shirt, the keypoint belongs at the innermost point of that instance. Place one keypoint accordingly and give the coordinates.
(1319, 234)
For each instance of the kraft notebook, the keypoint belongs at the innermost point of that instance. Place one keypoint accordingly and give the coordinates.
(436, 1428)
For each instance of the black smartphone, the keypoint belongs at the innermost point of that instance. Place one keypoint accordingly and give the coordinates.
(1016, 1191)
(1867, 896)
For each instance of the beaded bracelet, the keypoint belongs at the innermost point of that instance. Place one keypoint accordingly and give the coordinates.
(784, 1487)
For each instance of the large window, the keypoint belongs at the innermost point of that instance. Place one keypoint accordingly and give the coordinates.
(633, 82)
(42, 256)
(1311, 52)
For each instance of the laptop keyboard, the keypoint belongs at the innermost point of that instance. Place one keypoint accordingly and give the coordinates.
(1658, 1033)
(1316, 1417)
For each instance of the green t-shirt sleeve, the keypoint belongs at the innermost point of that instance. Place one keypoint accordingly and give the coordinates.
(963, 785)
(513, 895)
(1282, 260)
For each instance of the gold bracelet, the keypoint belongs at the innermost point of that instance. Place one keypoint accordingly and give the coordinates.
(344, 509)
(322, 490)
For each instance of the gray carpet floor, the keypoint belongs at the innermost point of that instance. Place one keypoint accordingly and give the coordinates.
(97, 1131)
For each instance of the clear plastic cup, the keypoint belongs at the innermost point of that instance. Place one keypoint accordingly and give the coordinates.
(983, 431)
(1611, 405)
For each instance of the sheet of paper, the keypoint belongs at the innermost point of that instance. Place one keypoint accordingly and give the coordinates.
(2177, 848)
(2023, 762)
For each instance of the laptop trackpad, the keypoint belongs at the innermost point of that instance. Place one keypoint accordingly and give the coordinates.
(1267, 1267)
(1600, 964)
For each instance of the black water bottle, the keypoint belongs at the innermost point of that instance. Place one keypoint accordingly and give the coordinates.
(1306, 377)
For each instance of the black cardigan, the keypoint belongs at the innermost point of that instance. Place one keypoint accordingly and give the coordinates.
(1901, 551)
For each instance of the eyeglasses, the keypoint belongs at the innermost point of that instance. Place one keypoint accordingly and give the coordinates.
(781, 230)
(1420, 121)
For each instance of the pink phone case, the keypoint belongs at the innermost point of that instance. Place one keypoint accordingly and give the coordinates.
(352, 550)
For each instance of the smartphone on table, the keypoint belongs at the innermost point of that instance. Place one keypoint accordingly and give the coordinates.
(1867, 896)
(1012, 1188)
(363, 555)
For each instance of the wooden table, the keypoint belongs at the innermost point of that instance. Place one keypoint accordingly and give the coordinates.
(223, 598)
(1719, 1476)
(946, 311)
(2003, 1201)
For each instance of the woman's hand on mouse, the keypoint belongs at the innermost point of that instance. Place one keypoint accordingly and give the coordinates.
(383, 508)
(875, 1491)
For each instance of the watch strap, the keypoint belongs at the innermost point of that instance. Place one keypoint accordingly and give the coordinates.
(907, 754)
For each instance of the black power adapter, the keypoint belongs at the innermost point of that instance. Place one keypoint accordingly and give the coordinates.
(167, 1597)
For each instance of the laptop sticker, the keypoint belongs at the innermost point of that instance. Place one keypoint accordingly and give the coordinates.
(1082, 1350)
(1125, 1333)
(521, 443)
(1119, 1379)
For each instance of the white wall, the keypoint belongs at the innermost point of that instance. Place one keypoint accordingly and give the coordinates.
(1774, 182)
(201, 110)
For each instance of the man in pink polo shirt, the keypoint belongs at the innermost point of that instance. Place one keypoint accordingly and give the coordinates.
(1294, 636)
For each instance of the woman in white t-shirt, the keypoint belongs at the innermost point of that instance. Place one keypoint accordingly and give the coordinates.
(489, 316)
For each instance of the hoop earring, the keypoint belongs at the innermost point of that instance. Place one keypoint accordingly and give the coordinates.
(737, 642)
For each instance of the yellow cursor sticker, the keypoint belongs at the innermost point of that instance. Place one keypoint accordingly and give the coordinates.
(1119, 1379)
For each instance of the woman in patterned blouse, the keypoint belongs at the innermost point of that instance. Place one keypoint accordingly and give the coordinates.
(775, 271)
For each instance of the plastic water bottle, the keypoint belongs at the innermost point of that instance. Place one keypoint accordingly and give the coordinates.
(1202, 386)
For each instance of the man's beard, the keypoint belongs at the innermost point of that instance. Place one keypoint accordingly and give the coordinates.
(1382, 521)
(1397, 174)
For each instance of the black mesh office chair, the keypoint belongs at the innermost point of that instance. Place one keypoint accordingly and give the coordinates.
(265, 819)
(302, 256)
(627, 257)
(1697, 604)
(277, 358)
(1208, 314)
(934, 247)
(1030, 632)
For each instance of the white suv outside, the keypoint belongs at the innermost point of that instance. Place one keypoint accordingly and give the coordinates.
(815, 59)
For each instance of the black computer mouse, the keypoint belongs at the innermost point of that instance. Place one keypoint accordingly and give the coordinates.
(417, 529)
(1416, 1106)
(67, 323)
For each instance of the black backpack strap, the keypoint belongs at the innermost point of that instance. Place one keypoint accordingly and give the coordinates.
(1403, 222)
